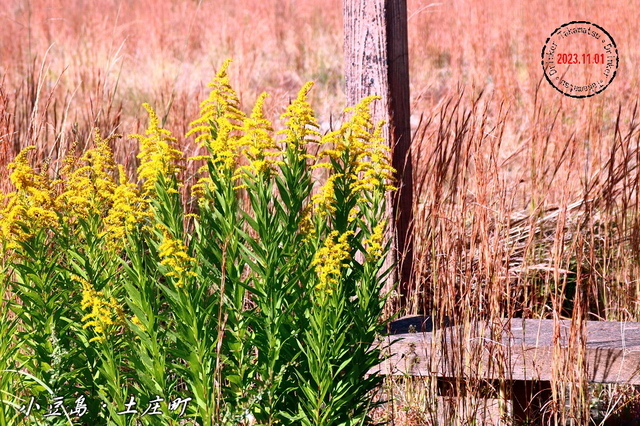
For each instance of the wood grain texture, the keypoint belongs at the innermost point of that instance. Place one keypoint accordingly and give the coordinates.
(377, 63)
(400, 118)
(365, 50)
(518, 349)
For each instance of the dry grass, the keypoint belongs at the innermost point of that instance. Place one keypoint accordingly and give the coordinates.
(68, 67)
(526, 201)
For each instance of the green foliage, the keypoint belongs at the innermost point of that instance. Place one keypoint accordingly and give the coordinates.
(262, 307)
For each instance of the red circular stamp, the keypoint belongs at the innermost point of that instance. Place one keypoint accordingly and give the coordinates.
(580, 59)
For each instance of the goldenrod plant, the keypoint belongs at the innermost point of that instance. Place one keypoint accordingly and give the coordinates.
(262, 305)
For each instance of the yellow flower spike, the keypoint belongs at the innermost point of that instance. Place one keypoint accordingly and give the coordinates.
(330, 259)
(373, 165)
(31, 204)
(259, 147)
(222, 102)
(325, 199)
(102, 168)
(359, 145)
(174, 255)
(103, 312)
(306, 227)
(23, 176)
(302, 124)
(89, 184)
(226, 147)
(374, 242)
(353, 214)
(128, 211)
(158, 155)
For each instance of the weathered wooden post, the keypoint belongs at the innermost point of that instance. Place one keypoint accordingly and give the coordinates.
(377, 63)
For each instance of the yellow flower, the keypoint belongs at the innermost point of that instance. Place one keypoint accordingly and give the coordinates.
(373, 165)
(222, 102)
(226, 146)
(258, 145)
(374, 242)
(158, 156)
(103, 312)
(325, 199)
(302, 124)
(330, 259)
(306, 223)
(174, 255)
(89, 184)
(220, 122)
(359, 145)
(218, 129)
(200, 188)
(128, 210)
(23, 177)
(136, 321)
(353, 213)
(31, 207)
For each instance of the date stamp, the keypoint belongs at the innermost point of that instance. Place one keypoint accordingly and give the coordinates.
(580, 59)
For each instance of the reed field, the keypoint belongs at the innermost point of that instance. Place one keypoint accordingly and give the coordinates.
(174, 234)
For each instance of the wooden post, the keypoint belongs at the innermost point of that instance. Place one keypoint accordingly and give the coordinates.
(377, 63)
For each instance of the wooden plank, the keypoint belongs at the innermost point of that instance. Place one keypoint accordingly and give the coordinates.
(400, 116)
(376, 52)
(517, 349)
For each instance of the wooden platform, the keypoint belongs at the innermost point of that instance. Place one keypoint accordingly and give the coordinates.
(516, 350)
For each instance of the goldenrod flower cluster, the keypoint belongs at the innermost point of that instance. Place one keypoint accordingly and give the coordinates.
(129, 209)
(329, 260)
(325, 199)
(30, 207)
(229, 134)
(360, 145)
(374, 242)
(174, 255)
(258, 145)
(301, 123)
(104, 312)
(89, 185)
(306, 226)
(158, 156)
(220, 122)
